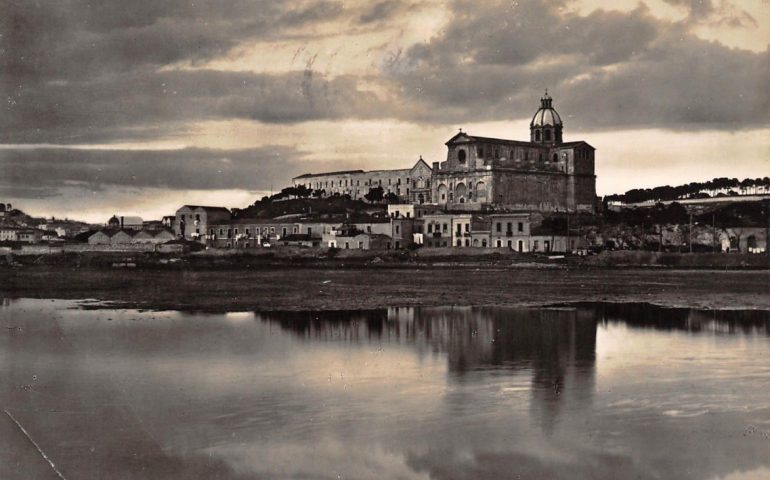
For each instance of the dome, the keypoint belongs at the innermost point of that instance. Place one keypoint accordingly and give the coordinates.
(546, 115)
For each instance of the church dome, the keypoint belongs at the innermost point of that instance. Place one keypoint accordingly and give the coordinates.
(546, 115)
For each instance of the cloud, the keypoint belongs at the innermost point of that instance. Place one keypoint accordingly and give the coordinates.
(606, 70)
(138, 105)
(44, 172)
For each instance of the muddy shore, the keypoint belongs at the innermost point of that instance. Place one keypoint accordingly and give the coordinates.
(334, 288)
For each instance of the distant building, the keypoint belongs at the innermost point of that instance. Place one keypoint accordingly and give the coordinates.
(192, 221)
(410, 185)
(125, 222)
(543, 174)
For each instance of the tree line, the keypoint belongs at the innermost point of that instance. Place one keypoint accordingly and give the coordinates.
(732, 186)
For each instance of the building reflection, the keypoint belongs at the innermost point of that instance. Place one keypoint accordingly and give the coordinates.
(645, 315)
(554, 347)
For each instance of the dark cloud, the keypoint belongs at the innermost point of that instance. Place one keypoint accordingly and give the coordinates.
(606, 70)
(380, 11)
(66, 39)
(136, 104)
(77, 71)
(41, 172)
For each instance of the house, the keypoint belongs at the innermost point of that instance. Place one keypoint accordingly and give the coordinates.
(102, 237)
(121, 237)
(153, 236)
(510, 230)
(192, 221)
(31, 235)
(9, 234)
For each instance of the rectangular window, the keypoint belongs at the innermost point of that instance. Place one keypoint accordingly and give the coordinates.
(221, 231)
(361, 245)
(256, 231)
(480, 152)
(236, 231)
(499, 227)
(247, 232)
(430, 228)
(398, 229)
(509, 227)
(521, 226)
(445, 227)
(272, 229)
(295, 230)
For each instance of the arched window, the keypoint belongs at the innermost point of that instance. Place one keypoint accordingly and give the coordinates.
(461, 156)
(547, 135)
(537, 135)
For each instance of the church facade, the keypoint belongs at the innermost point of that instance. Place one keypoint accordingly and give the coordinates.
(543, 174)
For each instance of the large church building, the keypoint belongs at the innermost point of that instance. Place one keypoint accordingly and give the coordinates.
(544, 174)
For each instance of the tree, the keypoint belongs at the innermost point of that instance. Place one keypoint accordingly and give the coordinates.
(391, 197)
(375, 195)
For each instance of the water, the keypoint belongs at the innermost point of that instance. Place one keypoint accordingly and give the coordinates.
(586, 391)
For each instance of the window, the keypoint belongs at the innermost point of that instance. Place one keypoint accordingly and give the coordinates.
(221, 231)
(211, 232)
(499, 227)
(526, 155)
(512, 156)
(521, 246)
(444, 227)
(248, 232)
(398, 229)
(537, 135)
(283, 232)
(461, 156)
(510, 244)
(459, 243)
(430, 228)
(408, 214)
(535, 245)
(272, 229)
(499, 243)
(555, 157)
(295, 230)
(497, 153)
(309, 231)
(467, 227)
(547, 135)
(361, 245)
(509, 227)
(347, 244)
(197, 217)
(467, 242)
(256, 231)
(521, 226)
(236, 231)
(459, 228)
(484, 242)
(480, 152)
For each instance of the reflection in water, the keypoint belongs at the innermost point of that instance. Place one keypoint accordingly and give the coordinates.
(582, 391)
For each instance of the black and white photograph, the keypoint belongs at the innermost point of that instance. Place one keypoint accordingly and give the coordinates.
(384, 239)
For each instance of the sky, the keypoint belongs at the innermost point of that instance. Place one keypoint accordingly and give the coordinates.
(138, 107)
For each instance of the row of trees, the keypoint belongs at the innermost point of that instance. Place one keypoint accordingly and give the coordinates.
(375, 195)
(693, 190)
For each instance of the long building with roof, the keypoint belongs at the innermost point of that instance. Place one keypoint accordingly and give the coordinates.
(543, 174)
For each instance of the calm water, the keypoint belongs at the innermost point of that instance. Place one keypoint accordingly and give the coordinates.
(589, 391)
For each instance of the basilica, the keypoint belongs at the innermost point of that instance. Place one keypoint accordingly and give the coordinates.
(543, 174)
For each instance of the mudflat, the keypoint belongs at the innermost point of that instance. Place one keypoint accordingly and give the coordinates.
(321, 288)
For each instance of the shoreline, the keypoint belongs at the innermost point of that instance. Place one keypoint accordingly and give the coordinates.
(270, 288)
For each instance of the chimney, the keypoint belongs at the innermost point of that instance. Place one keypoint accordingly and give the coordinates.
(435, 166)
(121, 222)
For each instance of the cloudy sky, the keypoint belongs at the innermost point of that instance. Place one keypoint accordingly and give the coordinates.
(136, 107)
